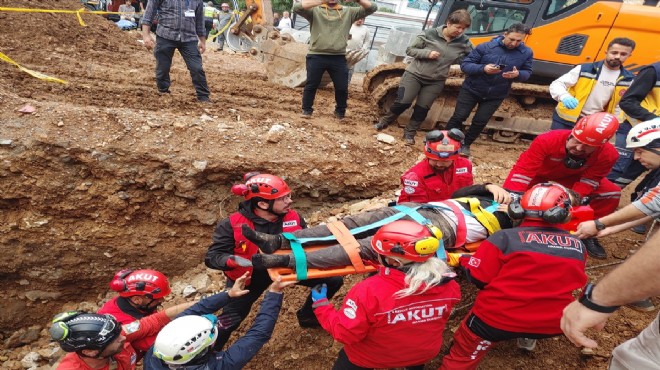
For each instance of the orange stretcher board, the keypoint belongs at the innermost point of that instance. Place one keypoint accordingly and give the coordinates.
(288, 274)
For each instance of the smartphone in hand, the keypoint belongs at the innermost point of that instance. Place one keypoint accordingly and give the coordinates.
(501, 66)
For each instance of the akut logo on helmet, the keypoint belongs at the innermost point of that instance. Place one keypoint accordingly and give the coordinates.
(142, 277)
(257, 180)
(604, 123)
(537, 196)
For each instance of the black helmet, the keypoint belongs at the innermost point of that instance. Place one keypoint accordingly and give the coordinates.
(75, 330)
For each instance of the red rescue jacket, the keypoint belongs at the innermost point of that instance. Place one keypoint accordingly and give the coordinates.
(245, 248)
(544, 161)
(380, 331)
(141, 345)
(421, 185)
(528, 275)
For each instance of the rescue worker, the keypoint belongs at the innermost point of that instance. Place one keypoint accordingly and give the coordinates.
(187, 341)
(396, 318)
(593, 87)
(434, 51)
(526, 275)
(96, 341)
(641, 102)
(578, 159)
(469, 218)
(267, 208)
(441, 173)
(210, 13)
(141, 292)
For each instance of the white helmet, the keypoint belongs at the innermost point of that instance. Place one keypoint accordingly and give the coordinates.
(183, 339)
(644, 134)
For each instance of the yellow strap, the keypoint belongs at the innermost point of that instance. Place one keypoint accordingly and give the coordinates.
(487, 219)
(36, 74)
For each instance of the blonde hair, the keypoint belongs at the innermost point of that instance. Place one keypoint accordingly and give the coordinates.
(421, 277)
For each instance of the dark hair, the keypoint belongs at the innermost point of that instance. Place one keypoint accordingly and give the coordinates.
(623, 41)
(519, 28)
(460, 16)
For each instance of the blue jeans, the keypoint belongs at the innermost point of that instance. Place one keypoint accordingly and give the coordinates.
(626, 169)
(336, 67)
(164, 51)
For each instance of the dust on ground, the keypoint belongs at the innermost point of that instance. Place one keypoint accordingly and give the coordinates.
(107, 174)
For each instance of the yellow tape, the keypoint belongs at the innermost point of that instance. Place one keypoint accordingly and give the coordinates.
(212, 38)
(36, 74)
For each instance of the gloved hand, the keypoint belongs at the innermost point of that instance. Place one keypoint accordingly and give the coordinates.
(319, 292)
(237, 261)
(320, 296)
(569, 102)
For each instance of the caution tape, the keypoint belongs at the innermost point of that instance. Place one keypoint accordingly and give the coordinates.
(36, 74)
(78, 12)
(212, 38)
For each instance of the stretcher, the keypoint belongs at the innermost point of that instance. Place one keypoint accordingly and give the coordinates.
(351, 246)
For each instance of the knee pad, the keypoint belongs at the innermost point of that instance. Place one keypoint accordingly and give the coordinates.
(419, 113)
(398, 108)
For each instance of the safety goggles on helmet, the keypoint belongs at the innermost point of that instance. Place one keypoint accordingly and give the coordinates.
(644, 135)
(443, 145)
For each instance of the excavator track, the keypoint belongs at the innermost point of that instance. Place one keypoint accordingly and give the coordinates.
(527, 111)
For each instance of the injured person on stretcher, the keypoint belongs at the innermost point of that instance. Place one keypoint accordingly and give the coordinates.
(471, 216)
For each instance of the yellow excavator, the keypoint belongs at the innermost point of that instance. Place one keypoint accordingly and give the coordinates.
(564, 33)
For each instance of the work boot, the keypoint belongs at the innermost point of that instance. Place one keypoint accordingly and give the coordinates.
(409, 139)
(526, 344)
(341, 117)
(465, 151)
(266, 261)
(306, 320)
(645, 305)
(266, 242)
(306, 114)
(594, 249)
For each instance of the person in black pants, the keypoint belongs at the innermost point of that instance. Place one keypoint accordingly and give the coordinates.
(266, 209)
(491, 68)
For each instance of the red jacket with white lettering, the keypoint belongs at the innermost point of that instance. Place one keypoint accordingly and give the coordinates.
(527, 275)
(422, 185)
(380, 331)
(543, 161)
(127, 358)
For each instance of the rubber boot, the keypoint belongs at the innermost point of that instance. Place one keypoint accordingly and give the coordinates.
(266, 242)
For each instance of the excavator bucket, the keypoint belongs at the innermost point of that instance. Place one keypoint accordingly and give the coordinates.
(284, 57)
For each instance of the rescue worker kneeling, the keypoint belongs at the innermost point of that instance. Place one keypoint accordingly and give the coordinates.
(526, 275)
(395, 318)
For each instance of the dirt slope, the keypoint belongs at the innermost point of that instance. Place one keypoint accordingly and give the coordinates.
(107, 174)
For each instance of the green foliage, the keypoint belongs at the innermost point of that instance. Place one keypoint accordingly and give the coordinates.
(282, 5)
(385, 10)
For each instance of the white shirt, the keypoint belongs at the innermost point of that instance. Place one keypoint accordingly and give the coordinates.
(600, 95)
(475, 230)
(285, 23)
(359, 38)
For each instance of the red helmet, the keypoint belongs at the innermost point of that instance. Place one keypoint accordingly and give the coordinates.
(407, 239)
(261, 185)
(130, 283)
(548, 202)
(443, 145)
(595, 129)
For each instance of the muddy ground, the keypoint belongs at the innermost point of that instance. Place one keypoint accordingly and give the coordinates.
(106, 174)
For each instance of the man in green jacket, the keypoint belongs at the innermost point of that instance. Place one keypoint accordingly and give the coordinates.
(329, 25)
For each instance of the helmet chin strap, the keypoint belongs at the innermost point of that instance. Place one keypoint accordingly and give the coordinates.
(146, 307)
(383, 261)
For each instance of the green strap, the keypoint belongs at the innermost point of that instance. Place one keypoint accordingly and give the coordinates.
(299, 255)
